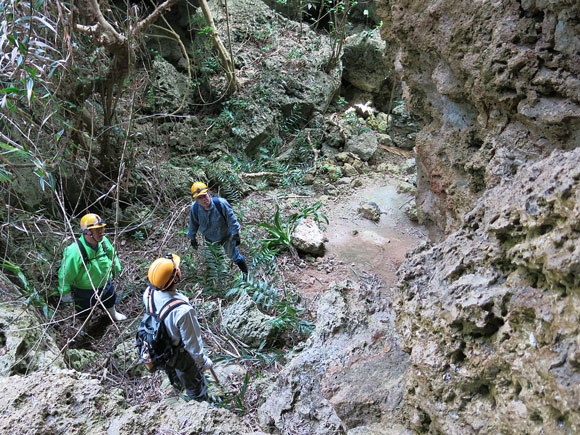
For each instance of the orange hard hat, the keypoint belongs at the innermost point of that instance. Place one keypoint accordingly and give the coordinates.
(165, 271)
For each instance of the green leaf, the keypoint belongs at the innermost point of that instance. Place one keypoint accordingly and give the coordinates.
(10, 90)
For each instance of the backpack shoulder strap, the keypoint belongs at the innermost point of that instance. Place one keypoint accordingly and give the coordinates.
(150, 308)
(169, 306)
(82, 250)
(218, 204)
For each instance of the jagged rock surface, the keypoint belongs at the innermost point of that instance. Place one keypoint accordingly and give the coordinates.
(25, 345)
(75, 403)
(247, 322)
(365, 67)
(496, 84)
(490, 315)
(350, 372)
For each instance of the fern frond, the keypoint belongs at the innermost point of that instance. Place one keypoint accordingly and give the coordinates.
(217, 273)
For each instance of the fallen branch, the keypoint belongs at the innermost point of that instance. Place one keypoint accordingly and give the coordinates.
(314, 150)
(397, 151)
(337, 125)
(258, 174)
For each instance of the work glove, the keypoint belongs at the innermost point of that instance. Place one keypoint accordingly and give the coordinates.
(207, 363)
(194, 244)
(236, 239)
(66, 297)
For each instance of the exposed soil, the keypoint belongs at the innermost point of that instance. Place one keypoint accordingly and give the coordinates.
(357, 245)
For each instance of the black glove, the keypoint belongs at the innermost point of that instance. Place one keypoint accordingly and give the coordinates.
(194, 243)
(236, 239)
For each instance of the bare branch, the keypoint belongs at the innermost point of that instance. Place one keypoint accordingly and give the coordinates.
(143, 24)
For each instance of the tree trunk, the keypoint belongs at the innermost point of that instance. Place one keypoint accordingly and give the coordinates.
(227, 61)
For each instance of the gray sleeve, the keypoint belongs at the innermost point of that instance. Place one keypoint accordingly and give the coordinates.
(190, 332)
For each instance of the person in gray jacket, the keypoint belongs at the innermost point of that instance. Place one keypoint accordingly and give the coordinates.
(216, 220)
(190, 360)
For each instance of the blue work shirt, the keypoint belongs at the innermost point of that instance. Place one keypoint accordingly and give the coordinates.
(211, 223)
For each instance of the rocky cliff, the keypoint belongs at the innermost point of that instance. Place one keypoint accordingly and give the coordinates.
(496, 84)
(489, 316)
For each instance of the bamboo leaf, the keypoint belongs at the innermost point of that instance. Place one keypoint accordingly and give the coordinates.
(29, 88)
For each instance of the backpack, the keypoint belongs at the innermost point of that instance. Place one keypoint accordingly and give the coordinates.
(153, 343)
(218, 204)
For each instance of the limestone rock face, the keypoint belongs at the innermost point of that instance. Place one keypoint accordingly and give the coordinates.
(350, 372)
(495, 84)
(74, 403)
(170, 87)
(293, 88)
(24, 345)
(363, 61)
(490, 315)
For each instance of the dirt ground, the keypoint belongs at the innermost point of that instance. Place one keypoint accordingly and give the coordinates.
(357, 245)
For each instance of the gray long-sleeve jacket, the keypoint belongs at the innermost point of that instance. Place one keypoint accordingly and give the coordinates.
(181, 324)
(211, 223)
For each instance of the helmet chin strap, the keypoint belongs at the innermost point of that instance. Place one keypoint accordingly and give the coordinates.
(91, 235)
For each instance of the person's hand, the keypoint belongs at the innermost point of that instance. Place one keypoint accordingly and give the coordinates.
(66, 297)
(207, 363)
(194, 243)
(236, 239)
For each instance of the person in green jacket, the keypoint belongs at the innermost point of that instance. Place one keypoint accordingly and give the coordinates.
(87, 268)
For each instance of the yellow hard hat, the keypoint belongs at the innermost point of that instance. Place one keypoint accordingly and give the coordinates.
(198, 188)
(165, 271)
(91, 220)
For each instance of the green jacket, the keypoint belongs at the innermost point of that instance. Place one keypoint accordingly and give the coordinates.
(100, 265)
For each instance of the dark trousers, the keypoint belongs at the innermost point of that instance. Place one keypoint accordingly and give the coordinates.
(184, 372)
(86, 299)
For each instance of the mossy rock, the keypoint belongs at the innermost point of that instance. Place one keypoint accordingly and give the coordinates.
(81, 359)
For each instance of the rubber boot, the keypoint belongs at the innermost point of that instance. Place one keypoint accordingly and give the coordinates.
(115, 315)
(242, 265)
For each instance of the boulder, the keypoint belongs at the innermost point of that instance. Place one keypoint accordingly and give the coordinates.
(364, 65)
(247, 322)
(363, 145)
(370, 211)
(406, 188)
(349, 170)
(308, 237)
